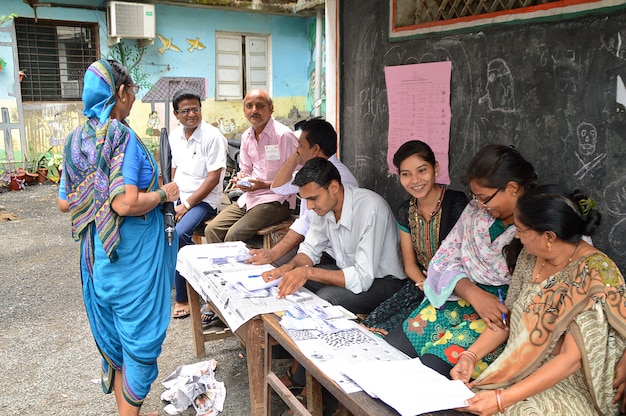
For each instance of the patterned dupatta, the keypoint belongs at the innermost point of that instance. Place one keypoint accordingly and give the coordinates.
(468, 252)
(93, 165)
(592, 282)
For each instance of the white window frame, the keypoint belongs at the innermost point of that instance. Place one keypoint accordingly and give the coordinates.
(238, 64)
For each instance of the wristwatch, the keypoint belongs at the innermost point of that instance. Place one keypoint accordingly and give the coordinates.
(186, 205)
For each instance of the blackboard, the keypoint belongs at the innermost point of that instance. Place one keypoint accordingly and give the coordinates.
(562, 112)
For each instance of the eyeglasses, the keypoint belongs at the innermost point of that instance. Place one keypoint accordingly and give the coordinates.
(133, 88)
(484, 202)
(186, 111)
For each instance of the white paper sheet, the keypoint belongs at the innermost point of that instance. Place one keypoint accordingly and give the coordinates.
(408, 386)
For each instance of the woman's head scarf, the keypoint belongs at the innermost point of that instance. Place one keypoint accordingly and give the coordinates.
(99, 91)
(93, 160)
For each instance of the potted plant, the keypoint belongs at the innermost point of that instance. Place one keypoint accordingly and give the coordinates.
(38, 165)
(14, 177)
(54, 167)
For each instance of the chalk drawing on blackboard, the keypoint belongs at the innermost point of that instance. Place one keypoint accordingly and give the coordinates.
(620, 93)
(499, 95)
(587, 144)
(615, 197)
(615, 202)
(363, 165)
(616, 236)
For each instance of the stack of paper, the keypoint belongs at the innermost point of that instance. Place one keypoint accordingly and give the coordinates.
(408, 386)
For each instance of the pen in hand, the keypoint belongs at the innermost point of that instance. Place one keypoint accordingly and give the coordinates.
(502, 302)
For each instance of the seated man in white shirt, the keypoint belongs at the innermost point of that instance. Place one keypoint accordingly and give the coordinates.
(317, 138)
(362, 230)
(198, 165)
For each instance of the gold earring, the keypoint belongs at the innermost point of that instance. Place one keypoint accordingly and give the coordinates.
(123, 100)
(549, 245)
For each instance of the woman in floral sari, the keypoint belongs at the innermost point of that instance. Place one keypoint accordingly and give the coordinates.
(127, 267)
(469, 271)
(568, 321)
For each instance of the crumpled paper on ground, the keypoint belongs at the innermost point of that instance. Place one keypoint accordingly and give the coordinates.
(194, 385)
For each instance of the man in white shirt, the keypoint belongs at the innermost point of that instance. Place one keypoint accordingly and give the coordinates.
(317, 138)
(198, 165)
(362, 230)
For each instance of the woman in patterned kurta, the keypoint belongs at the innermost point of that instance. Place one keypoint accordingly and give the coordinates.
(469, 269)
(568, 321)
(423, 221)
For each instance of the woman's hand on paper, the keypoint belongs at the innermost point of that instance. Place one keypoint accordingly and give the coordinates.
(483, 404)
(463, 369)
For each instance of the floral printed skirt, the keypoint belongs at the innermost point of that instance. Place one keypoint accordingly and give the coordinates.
(448, 331)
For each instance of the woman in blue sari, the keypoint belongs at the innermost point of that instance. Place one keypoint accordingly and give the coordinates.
(111, 185)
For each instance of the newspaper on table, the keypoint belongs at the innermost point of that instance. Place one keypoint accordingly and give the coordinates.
(328, 337)
(194, 385)
(356, 359)
(219, 274)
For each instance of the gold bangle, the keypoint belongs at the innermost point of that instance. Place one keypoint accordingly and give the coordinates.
(162, 196)
(471, 354)
(499, 400)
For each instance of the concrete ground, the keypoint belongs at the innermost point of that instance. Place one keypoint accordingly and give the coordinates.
(48, 359)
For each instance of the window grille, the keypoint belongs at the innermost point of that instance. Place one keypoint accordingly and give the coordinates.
(54, 55)
(434, 11)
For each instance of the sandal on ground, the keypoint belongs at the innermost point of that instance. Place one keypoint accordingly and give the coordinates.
(213, 320)
(180, 312)
(207, 314)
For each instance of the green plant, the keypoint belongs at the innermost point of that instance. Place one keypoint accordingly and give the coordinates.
(131, 57)
(54, 167)
(39, 160)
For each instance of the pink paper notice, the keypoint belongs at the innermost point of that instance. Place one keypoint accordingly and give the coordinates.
(419, 109)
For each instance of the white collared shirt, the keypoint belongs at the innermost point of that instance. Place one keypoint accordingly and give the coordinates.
(365, 239)
(204, 152)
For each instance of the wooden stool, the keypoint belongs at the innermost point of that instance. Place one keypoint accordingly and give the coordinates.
(272, 234)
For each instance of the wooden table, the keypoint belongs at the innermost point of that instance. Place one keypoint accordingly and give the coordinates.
(251, 335)
(258, 335)
(357, 404)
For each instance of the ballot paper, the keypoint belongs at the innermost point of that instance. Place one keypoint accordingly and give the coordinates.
(256, 282)
(408, 385)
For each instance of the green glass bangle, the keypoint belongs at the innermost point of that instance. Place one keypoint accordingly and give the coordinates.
(162, 195)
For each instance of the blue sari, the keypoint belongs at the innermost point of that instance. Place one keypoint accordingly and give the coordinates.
(127, 267)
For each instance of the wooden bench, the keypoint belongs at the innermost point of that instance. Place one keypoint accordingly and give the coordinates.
(271, 234)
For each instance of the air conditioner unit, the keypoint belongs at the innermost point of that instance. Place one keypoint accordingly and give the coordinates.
(130, 21)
